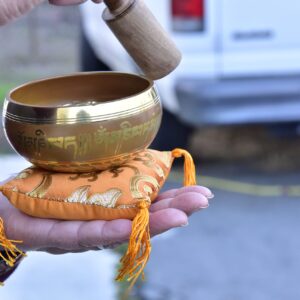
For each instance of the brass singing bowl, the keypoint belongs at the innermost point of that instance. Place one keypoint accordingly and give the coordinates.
(83, 122)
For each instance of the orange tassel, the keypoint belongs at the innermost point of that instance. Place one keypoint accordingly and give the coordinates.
(139, 247)
(189, 166)
(11, 250)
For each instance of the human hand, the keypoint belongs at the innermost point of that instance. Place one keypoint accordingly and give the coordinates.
(13, 9)
(171, 209)
(71, 2)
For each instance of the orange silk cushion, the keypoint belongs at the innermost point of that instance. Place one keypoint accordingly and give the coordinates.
(105, 195)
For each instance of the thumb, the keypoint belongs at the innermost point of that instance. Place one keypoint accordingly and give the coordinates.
(66, 2)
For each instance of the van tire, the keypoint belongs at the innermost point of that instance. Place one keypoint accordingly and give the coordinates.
(172, 134)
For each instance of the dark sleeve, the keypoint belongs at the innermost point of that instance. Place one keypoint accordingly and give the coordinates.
(6, 271)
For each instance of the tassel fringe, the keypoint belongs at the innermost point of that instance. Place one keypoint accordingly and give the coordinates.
(189, 166)
(139, 247)
(11, 251)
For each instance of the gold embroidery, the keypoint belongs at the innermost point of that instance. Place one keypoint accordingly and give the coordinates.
(124, 206)
(107, 199)
(15, 189)
(80, 195)
(93, 176)
(135, 190)
(41, 190)
(159, 171)
(148, 160)
(117, 170)
(166, 158)
(24, 174)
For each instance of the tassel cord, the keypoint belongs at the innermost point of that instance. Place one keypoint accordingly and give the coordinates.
(139, 247)
(189, 166)
(10, 249)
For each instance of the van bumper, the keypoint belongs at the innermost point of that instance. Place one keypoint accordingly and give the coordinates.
(239, 101)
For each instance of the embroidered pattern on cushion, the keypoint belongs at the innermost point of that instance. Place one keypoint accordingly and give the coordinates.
(106, 199)
(141, 185)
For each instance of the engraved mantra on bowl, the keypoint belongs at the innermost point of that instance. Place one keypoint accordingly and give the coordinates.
(36, 142)
(107, 199)
(81, 144)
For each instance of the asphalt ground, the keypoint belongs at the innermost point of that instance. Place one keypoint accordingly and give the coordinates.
(245, 246)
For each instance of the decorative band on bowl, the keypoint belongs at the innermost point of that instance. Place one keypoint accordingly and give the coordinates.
(85, 117)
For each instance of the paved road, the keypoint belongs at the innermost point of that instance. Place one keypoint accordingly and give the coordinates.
(241, 248)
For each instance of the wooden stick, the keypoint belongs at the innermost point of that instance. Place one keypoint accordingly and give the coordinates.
(142, 36)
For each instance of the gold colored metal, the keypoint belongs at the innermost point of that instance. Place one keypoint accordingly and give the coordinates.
(83, 122)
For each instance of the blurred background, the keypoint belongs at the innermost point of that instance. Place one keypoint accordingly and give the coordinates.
(234, 102)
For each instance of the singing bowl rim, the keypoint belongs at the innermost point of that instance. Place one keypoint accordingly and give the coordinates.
(78, 74)
(144, 97)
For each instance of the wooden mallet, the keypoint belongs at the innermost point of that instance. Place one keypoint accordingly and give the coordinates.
(142, 36)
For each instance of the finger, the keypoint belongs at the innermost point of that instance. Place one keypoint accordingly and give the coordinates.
(167, 194)
(33, 232)
(66, 2)
(57, 251)
(75, 235)
(187, 202)
(197, 189)
(175, 192)
(64, 235)
(104, 234)
(166, 219)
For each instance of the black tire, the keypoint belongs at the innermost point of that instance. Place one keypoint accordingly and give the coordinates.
(172, 134)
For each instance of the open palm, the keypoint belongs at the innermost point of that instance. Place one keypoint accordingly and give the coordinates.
(171, 209)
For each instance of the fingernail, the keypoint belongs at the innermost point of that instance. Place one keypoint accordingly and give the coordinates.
(184, 225)
(211, 196)
(201, 207)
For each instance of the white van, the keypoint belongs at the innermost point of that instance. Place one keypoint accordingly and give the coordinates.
(241, 58)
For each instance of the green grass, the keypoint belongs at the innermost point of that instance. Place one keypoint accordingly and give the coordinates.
(4, 88)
